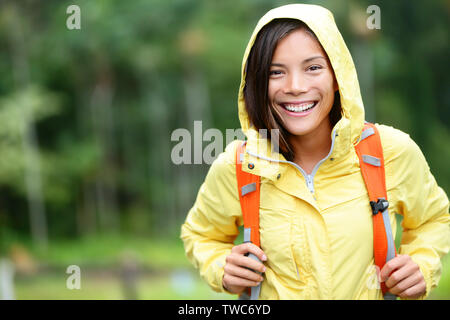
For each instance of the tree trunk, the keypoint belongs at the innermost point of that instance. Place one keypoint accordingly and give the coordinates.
(30, 144)
(105, 183)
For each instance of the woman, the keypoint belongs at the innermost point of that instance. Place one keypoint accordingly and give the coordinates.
(315, 221)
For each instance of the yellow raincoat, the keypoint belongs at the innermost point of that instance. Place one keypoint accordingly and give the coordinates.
(316, 230)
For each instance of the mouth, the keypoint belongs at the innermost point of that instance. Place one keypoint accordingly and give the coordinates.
(299, 108)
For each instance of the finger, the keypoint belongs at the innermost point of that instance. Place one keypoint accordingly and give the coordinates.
(390, 266)
(250, 247)
(399, 275)
(415, 291)
(242, 273)
(246, 262)
(238, 282)
(409, 281)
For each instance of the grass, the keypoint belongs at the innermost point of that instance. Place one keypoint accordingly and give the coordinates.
(109, 287)
(165, 273)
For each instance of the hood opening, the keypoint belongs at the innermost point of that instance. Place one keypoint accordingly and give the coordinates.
(258, 64)
(347, 114)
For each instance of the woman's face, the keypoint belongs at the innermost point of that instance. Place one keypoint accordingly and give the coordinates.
(301, 83)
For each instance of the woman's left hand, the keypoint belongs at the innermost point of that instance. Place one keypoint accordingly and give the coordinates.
(403, 277)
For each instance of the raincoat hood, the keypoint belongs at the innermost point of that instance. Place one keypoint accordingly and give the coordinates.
(321, 22)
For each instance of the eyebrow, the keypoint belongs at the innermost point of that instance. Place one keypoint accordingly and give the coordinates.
(304, 61)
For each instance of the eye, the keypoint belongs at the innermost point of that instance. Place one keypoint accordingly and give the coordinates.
(314, 67)
(275, 72)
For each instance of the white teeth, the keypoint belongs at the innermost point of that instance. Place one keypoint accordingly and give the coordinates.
(299, 108)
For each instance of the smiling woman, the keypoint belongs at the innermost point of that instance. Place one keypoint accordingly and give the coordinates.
(316, 228)
(302, 83)
(279, 76)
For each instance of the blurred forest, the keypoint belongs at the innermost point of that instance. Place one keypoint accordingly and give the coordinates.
(86, 118)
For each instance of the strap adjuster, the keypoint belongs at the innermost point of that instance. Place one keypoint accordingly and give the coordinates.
(379, 206)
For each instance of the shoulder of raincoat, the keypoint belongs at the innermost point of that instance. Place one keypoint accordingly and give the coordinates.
(316, 229)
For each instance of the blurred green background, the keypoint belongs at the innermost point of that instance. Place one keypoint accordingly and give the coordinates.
(86, 118)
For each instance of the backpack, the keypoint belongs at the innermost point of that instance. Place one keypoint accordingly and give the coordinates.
(371, 160)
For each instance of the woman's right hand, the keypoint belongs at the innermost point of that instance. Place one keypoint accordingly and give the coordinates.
(237, 275)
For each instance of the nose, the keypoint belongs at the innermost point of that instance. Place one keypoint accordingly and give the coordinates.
(296, 84)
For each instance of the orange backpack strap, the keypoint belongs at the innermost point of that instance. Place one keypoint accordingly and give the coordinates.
(370, 154)
(248, 189)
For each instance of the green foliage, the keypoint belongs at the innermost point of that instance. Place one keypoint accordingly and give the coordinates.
(18, 111)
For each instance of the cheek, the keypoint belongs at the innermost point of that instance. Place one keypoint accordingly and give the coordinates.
(326, 85)
(271, 90)
(270, 93)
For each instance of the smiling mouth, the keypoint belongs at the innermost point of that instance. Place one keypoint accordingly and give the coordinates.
(299, 107)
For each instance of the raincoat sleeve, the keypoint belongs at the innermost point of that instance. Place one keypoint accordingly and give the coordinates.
(425, 209)
(212, 223)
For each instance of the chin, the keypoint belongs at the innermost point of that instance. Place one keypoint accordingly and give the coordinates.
(299, 127)
(299, 131)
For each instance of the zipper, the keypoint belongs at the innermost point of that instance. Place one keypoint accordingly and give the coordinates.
(309, 178)
(309, 183)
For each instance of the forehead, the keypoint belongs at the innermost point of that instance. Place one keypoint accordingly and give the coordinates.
(298, 44)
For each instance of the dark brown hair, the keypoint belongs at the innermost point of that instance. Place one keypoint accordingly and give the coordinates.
(261, 114)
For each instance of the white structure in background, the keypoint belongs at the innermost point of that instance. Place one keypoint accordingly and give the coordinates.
(182, 282)
(6, 279)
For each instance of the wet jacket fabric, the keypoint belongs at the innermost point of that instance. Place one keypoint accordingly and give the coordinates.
(316, 230)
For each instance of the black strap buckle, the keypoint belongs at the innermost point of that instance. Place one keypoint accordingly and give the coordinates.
(379, 206)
